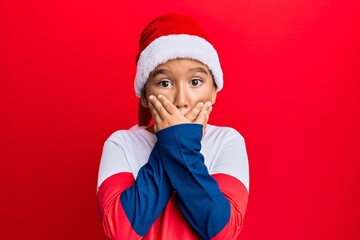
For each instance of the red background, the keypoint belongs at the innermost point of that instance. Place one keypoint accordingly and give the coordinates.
(291, 88)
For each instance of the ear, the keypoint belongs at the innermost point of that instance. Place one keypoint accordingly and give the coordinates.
(213, 95)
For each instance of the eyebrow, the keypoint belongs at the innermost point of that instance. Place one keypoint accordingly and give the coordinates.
(198, 69)
(159, 71)
(165, 71)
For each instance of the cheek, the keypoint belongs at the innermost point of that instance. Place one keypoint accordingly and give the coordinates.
(204, 95)
(199, 96)
(151, 90)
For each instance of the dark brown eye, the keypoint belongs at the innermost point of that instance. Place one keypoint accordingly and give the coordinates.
(164, 84)
(196, 82)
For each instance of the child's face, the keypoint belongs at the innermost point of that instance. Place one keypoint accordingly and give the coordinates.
(184, 82)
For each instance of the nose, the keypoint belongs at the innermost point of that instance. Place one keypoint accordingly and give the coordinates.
(181, 98)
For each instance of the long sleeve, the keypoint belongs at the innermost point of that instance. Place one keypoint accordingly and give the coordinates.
(231, 171)
(204, 206)
(128, 208)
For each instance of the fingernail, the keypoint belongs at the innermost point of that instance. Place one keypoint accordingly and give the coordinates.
(160, 96)
(208, 104)
(151, 97)
(201, 104)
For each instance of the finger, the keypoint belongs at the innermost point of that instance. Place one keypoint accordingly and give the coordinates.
(169, 107)
(201, 118)
(209, 109)
(154, 113)
(194, 112)
(208, 112)
(158, 107)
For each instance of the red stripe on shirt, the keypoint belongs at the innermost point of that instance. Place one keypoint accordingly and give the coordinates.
(237, 194)
(115, 222)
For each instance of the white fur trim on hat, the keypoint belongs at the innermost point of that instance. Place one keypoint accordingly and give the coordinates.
(170, 47)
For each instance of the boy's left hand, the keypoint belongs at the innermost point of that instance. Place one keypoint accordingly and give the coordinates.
(166, 114)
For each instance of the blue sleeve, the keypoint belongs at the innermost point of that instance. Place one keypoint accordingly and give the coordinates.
(146, 199)
(204, 206)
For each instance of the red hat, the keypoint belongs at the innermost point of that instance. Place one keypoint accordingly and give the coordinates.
(174, 36)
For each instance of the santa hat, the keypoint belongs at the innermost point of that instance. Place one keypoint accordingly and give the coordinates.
(174, 36)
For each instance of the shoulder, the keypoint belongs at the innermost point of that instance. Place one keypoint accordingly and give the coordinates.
(118, 136)
(132, 135)
(225, 146)
(223, 133)
(121, 152)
